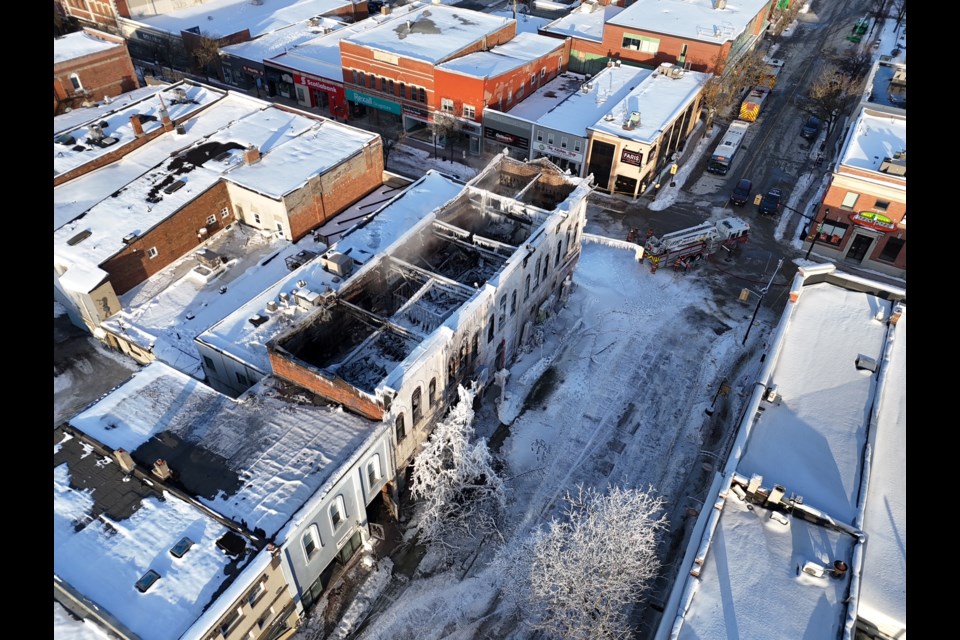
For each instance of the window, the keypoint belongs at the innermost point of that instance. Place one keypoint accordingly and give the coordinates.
(831, 233)
(225, 212)
(543, 73)
(212, 219)
(500, 103)
(337, 512)
(509, 97)
(539, 136)
(228, 623)
(208, 363)
(546, 267)
(490, 329)
(310, 542)
(563, 142)
(363, 79)
(242, 380)
(373, 471)
(881, 206)
(849, 200)
(550, 138)
(513, 303)
(401, 429)
(475, 347)
(469, 111)
(683, 54)
(416, 407)
(239, 212)
(640, 43)
(403, 90)
(432, 392)
(152, 253)
(423, 95)
(390, 89)
(536, 274)
(520, 91)
(526, 288)
(576, 145)
(301, 95)
(355, 81)
(891, 250)
(256, 217)
(265, 619)
(75, 81)
(256, 593)
(503, 311)
(533, 80)
(446, 105)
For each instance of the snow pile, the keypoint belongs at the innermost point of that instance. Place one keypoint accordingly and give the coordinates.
(372, 587)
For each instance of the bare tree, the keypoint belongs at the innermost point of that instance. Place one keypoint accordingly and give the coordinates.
(205, 54)
(390, 141)
(455, 479)
(444, 126)
(576, 578)
(830, 96)
(856, 65)
(899, 10)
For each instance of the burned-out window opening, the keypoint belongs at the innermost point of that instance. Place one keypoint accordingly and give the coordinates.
(556, 262)
(513, 303)
(546, 267)
(415, 404)
(503, 312)
(452, 370)
(536, 274)
(432, 392)
(490, 329)
(475, 350)
(526, 288)
(401, 429)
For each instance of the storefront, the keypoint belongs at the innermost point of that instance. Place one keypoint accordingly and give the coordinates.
(561, 148)
(382, 112)
(322, 94)
(242, 73)
(502, 130)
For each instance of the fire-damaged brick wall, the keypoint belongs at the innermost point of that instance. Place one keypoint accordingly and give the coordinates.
(335, 390)
(328, 194)
(171, 239)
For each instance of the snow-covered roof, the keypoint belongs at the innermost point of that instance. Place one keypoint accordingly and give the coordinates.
(84, 115)
(109, 529)
(585, 22)
(579, 110)
(67, 627)
(258, 459)
(294, 148)
(431, 33)
(276, 42)
(659, 99)
(67, 156)
(811, 439)
(79, 44)
(523, 49)
(526, 23)
(693, 19)
(218, 18)
(235, 335)
(874, 137)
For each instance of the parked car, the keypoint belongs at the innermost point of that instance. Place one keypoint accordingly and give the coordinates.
(770, 203)
(811, 129)
(741, 192)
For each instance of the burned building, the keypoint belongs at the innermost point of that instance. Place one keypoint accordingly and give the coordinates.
(452, 300)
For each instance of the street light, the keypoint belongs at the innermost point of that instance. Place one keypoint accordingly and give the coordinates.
(826, 212)
(761, 293)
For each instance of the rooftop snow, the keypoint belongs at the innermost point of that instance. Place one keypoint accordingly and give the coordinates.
(237, 336)
(526, 23)
(749, 586)
(812, 440)
(219, 18)
(873, 137)
(522, 49)
(69, 628)
(694, 19)
(431, 33)
(883, 591)
(276, 42)
(583, 24)
(67, 157)
(547, 97)
(881, 90)
(579, 111)
(78, 44)
(103, 552)
(659, 99)
(84, 115)
(256, 460)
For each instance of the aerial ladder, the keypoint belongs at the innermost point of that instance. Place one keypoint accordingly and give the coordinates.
(686, 246)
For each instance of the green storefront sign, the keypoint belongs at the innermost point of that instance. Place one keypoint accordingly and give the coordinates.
(373, 101)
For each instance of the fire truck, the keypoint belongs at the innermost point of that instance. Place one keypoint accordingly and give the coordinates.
(750, 107)
(684, 247)
(772, 69)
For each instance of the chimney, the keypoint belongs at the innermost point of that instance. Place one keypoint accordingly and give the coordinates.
(165, 116)
(895, 316)
(161, 470)
(137, 125)
(251, 155)
(384, 10)
(124, 460)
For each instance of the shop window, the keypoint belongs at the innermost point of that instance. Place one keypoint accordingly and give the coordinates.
(849, 200)
(831, 233)
(415, 404)
(891, 250)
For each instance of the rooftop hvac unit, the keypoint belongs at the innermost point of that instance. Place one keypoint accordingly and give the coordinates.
(271, 305)
(337, 263)
(866, 362)
(307, 299)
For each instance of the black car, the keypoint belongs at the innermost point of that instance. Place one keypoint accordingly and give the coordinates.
(811, 129)
(770, 203)
(741, 193)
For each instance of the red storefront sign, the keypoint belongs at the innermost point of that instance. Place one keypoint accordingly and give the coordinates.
(873, 220)
(631, 157)
(313, 83)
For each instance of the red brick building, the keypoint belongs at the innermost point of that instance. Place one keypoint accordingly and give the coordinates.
(99, 14)
(89, 65)
(863, 217)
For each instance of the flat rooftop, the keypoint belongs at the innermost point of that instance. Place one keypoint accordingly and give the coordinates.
(218, 18)
(583, 23)
(887, 86)
(431, 33)
(523, 49)
(79, 44)
(526, 23)
(276, 42)
(694, 19)
(658, 98)
(874, 137)
(109, 529)
(257, 460)
(80, 116)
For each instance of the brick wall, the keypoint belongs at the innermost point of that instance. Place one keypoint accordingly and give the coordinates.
(105, 73)
(335, 390)
(174, 237)
(98, 13)
(107, 158)
(701, 56)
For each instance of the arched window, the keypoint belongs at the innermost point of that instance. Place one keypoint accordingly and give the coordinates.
(310, 541)
(373, 471)
(536, 274)
(338, 513)
(475, 347)
(513, 303)
(546, 267)
(432, 392)
(415, 404)
(401, 429)
(490, 330)
(559, 252)
(526, 288)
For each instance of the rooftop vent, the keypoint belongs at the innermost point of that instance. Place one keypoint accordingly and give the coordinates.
(176, 186)
(162, 470)
(272, 305)
(80, 237)
(124, 460)
(257, 320)
(130, 237)
(866, 362)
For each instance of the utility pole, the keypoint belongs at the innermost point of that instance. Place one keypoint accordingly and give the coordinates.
(762, 293)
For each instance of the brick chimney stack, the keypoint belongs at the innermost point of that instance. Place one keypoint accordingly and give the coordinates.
(251, 155)
(137, 125)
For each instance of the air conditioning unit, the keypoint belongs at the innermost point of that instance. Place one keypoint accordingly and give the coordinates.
(337, 263)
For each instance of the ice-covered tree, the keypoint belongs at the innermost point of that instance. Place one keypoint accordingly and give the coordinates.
(576, 578)
(454, 479)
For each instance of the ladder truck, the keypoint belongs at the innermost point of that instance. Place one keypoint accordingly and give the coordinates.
(681, 248)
